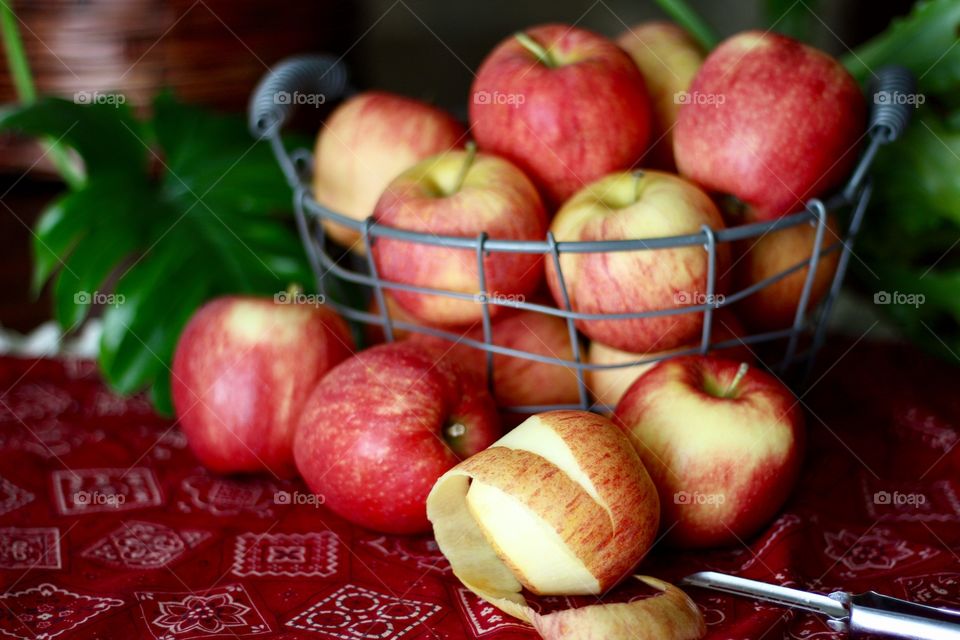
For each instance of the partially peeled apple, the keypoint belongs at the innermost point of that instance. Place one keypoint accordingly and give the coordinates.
(561, 505)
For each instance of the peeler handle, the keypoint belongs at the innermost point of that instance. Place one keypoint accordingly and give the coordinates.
(874, 614)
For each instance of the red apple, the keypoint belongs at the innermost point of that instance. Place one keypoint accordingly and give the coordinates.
(668, 58)
(627, 206)
(242, 370)
(609, 385)
(565, 104)
(459, 193)
(365, 143)
(770, 121)
(774, 306)
(380, 429)
(722, 441)
(519, 381)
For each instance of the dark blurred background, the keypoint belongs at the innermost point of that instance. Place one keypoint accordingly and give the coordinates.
(212, 52)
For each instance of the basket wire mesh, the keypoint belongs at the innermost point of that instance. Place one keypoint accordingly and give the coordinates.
(327, 76)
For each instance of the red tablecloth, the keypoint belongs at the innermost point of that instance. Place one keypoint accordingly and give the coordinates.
(110, 529)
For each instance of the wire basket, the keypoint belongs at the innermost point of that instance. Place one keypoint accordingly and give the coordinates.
(327, 76)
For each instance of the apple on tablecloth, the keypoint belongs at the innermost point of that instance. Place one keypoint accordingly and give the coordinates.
(242, 370)
(723, 442)
(380, 429)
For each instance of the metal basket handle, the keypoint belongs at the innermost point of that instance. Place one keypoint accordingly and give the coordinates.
(889, 116)
(273, 99)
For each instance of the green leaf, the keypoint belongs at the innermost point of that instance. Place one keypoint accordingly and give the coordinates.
(106, 136)
(214, 221)
(923, 42)
(791, 18)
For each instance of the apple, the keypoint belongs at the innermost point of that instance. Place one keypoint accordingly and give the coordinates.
(561, 505)
(774, 306)
(564, 104)
(463, 194)
(519, 381)
(609, 385)
(242, 371)
(771, 122)
(365, 143)
(626, 206)
(723, 442)
(668, 58)
(381, 427)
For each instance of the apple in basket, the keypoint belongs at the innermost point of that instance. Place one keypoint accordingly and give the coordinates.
(564, 104)
(242, 370)
(519, 381)
(668, 58)
(380, 429)
(463, 194)
(365, 143)
(774, 306)
(630, 206)
(770, 121)
(609, 385)
(723, 442)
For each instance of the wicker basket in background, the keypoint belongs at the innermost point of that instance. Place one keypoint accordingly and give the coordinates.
(209, 52)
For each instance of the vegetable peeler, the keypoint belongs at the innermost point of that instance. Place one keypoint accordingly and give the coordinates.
(867, 613)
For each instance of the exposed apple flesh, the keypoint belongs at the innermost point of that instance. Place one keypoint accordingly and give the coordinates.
(560, 505)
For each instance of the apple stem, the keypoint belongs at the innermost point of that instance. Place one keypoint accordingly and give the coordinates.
(465, 169)
(637, 181)
(737, 379)
(537, 49)
(294, 291)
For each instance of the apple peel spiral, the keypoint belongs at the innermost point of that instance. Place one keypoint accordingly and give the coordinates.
(561, 505)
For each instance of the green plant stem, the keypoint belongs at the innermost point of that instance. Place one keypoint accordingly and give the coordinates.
(680, 11)
(27, 92)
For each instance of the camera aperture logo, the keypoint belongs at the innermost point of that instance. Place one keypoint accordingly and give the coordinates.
(298, 498)
(99, 298)
(698, 498)
(299, 98)
(499, 98)
(299, 297)
(699, 98)
(99, 97)
(898, 297)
